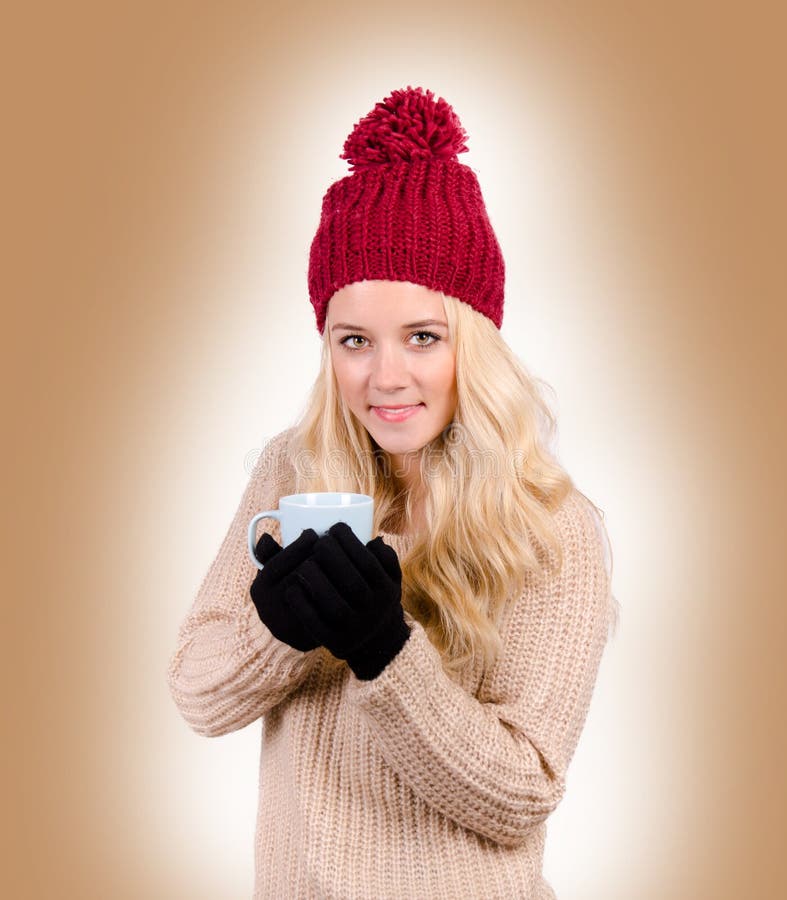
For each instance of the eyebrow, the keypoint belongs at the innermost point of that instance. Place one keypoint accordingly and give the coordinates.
(410, 325)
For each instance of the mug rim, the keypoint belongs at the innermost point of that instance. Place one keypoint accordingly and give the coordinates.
(298, 500)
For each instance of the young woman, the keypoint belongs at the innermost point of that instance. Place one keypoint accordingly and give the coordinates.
(422, 694)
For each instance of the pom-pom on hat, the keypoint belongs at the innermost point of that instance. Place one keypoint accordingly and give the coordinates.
(410, 211)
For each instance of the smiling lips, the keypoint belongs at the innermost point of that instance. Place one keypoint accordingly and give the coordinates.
(396, 413)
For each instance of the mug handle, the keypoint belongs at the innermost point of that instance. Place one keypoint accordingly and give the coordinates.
(268, 514)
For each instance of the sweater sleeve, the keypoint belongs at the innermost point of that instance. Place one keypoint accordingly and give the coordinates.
(228, 669)
(495, 763)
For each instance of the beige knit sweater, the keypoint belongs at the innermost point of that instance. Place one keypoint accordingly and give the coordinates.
(415, 785)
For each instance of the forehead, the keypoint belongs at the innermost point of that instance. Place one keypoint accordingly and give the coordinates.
(384, 303)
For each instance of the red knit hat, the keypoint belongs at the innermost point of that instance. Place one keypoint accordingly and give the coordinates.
(409, 212)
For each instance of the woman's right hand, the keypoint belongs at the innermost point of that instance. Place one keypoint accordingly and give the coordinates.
(270, 585)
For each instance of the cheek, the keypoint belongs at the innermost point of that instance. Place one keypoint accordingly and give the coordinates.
(347, 377)
(445, 376)
(450, 390)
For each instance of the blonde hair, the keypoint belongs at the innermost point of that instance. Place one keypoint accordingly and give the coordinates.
(485, 531)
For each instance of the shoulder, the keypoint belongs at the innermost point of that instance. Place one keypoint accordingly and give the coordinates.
(580, 527)
(586, 570)
(275, 463)
(280, 443)
(561, 611)
(576, 564)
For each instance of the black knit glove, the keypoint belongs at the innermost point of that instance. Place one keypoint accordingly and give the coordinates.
(348, 597)
(268, 588)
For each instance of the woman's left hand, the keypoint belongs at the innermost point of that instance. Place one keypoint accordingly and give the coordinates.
(348, 596)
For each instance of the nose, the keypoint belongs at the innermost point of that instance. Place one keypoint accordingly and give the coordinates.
(388, 371)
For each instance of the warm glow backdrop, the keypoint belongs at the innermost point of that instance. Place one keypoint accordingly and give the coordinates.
(164, 165)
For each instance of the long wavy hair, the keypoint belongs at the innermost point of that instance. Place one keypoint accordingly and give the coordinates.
(491, 486)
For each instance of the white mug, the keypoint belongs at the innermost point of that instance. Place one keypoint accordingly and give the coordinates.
(317, 510)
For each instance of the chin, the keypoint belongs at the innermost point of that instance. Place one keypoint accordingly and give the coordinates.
(403, 443)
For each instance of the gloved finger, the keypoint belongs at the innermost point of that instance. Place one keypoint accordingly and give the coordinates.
(387, 557)
(290, 557)
(267, 547)
(329, 612)
(342, 574)
(342, 528)
(299, 607)
(365, 562)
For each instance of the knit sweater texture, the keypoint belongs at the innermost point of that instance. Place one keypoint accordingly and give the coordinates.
(415, 785)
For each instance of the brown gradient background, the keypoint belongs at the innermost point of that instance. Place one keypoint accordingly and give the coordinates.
(164, 165)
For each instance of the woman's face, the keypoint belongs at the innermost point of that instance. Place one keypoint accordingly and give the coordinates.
(390, 348)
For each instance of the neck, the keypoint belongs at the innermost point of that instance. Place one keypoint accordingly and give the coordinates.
(406, 472)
